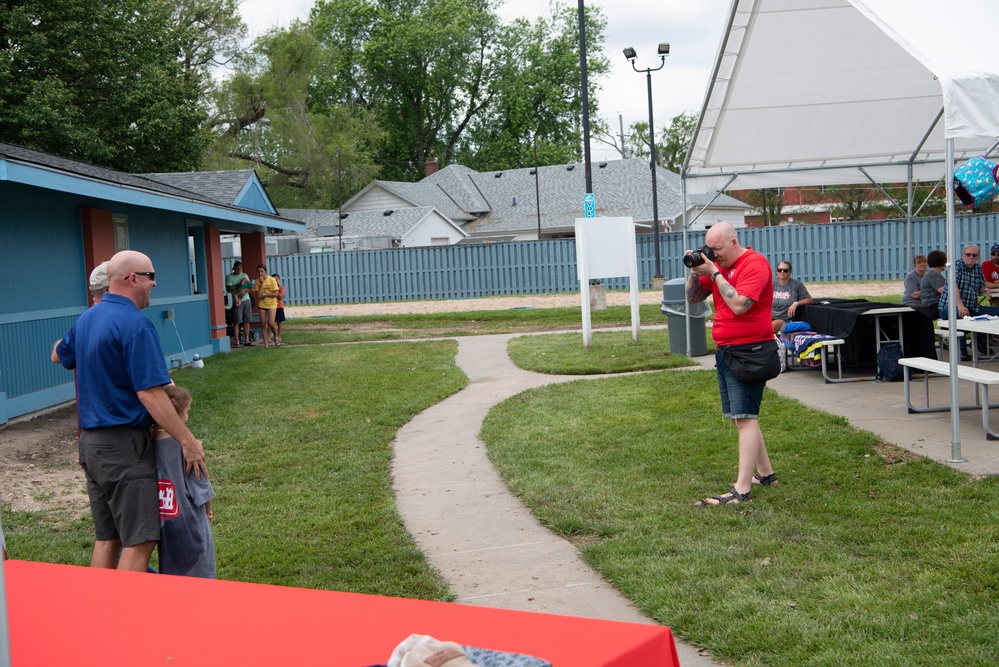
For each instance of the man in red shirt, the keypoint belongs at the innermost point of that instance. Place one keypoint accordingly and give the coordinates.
(740, 282)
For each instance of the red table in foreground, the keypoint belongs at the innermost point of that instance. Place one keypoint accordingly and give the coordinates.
(68, 615)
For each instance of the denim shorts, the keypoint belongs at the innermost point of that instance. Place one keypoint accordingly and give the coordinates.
(740, 400)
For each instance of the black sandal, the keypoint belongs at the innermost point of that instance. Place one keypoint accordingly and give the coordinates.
(766, 480)
(732, 496)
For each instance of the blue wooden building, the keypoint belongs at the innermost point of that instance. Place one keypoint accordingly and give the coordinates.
(60, 218)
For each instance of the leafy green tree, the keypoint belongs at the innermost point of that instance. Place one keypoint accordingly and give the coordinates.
(100, 81)
(265, 119)
(675, 140)
(423, 67)
(672, 144)
(767, 203)
(537, 94)
(447, 80)
(853, 202)
(211, 32)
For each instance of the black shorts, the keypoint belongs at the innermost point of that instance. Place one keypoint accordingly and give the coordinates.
(122, 483)
(279, 317)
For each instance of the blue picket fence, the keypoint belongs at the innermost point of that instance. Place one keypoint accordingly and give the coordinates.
(853, 251)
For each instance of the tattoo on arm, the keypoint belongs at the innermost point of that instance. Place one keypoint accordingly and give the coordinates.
(727, 290)
(695, 292)
(748, 304)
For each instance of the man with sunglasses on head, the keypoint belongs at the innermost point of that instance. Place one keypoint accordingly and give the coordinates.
(121, 371)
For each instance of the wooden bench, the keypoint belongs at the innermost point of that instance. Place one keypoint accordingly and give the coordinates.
(980, 376)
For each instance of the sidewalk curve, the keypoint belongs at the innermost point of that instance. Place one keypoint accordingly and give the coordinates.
(484, 542)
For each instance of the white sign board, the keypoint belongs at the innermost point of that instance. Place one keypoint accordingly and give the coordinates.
(605, 248)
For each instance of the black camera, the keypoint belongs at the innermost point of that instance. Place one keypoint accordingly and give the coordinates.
(696, 258)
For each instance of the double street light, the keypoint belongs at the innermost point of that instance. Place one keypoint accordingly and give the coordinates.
(631, 55)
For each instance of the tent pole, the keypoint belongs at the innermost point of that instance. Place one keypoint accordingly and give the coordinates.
(952, 258)
(686, 246)
(908, 220)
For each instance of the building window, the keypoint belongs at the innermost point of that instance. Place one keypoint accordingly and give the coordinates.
(120, 223)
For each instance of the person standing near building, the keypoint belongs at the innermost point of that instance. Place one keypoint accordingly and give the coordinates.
(266, 290)
(740, 282)
(187, 546)
(238, 285)
(98, 283)
(121, 372)
(279, 316)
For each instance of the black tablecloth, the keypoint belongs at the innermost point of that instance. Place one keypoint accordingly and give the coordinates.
(842, 318)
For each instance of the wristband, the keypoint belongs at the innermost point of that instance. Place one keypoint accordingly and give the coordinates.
(715, 275)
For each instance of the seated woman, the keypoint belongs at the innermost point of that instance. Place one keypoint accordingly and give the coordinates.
(933, 283)
(788, 295)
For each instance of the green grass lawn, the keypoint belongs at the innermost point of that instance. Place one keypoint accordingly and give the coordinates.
(298, 445)
(863, 555)
(609, 352)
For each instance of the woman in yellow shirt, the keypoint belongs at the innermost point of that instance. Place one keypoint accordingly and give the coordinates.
(266, 290)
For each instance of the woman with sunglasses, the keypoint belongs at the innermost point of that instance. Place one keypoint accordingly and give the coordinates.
(788, 295)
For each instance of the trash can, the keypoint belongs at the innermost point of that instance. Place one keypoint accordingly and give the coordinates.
(675, 309)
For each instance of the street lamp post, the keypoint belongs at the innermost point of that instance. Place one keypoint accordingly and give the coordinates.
(631, 55)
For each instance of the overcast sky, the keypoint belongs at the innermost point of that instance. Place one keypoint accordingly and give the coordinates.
(693, 29)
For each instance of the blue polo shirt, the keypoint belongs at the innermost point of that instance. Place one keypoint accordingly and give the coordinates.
(116, 352)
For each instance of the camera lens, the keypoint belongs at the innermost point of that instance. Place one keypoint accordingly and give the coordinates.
(693, 259)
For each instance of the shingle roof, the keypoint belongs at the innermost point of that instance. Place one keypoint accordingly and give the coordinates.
(429, 194)
(66, 165)
(505, 202)
(217, 188)
(312, 217)
(362, 223)
(621, 188)
(455, 181)
(222, 186)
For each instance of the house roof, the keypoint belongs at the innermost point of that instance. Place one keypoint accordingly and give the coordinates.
(505, 202)
(368, 223)
(417, 194)
(233, 187)
(44, 170)
(621, 188)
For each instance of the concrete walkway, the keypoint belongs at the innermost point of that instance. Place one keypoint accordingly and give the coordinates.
(493, 552)
(485, 543)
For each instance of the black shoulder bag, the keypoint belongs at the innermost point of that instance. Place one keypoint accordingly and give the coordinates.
(753, 362)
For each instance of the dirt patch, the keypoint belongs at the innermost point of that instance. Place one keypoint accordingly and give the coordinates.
(893, 454)
(38, 464)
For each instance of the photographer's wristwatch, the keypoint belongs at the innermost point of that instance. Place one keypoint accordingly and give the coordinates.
(715, 275)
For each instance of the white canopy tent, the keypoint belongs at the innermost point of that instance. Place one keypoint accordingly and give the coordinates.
(829, 92)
